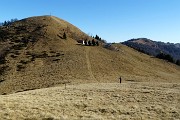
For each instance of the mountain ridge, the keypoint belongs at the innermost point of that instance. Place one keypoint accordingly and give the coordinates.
(35, 55)
(154, 47)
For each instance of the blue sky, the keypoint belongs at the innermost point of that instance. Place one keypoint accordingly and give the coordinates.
(112, 20)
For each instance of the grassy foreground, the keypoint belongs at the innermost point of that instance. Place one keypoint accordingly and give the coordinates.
(129, 100)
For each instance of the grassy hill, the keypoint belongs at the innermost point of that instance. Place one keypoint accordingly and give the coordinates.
(35, 55)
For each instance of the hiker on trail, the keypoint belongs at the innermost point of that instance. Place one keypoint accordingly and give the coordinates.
(120, 80)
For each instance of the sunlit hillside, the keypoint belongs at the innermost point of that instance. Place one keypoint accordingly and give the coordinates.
(34, 55)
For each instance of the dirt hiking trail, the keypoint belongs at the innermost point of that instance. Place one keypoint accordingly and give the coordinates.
(89, 64)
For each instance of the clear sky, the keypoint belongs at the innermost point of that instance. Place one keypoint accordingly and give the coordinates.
(112, 20)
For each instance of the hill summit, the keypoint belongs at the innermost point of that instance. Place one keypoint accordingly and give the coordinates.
(43, 51)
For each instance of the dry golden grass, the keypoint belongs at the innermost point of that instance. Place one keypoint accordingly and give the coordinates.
(150, 88)
(99, 101)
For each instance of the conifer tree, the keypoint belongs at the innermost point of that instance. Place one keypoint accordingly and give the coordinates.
(64, 36)
(178, 62)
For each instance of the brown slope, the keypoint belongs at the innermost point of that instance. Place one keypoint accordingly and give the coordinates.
(36, 53)
(45, 59)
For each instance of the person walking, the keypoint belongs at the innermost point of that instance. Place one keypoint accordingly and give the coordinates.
(120, 79)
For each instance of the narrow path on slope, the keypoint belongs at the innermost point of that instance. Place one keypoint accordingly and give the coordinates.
(87, 49)
(89, 64)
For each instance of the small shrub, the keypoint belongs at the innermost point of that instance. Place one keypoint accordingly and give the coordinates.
(56, 59)
(34, 56)
(3, 69)
(51, 51)
(2, 60)
(49, 118)
(20, 67)
(18, 46)
(3, 54)
(3, 35)
(58, 54)
(44, 55)
(14, 56)
(23, 62)
(1, 81)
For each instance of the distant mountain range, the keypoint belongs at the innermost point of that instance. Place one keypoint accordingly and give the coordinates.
(154, 48)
